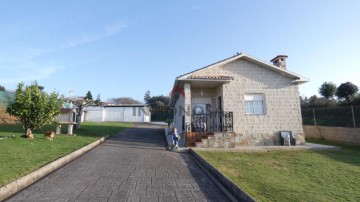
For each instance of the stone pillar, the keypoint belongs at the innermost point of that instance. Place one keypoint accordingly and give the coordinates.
(187, 104)
(58, 129)
(70, 129)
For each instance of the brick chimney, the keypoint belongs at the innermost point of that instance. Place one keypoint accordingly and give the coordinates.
(280, 61)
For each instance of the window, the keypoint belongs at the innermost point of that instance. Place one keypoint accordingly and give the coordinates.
(254, 104)
(198, 109)
(201, 108)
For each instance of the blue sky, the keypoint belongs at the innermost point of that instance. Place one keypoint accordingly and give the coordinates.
(124, 48)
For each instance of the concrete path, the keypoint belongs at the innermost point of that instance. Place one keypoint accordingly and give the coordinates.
(307, 146)
(131, 166)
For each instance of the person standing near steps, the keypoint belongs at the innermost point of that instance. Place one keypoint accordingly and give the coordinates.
(175, 139)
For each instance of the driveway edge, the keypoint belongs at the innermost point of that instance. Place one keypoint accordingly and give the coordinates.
(230, 186)
(21, 183)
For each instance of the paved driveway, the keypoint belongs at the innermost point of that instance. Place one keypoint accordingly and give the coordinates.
(132, 166)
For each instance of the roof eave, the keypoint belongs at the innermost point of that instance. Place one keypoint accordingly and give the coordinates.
(207, 80)
(230, 59)
(269, 65)
(300, 81)
(173, 96)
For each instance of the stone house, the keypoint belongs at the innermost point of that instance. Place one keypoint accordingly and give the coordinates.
(238, 101)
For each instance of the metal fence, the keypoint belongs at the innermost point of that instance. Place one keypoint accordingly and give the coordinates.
(161, 116)
(217, 121)
(348, 116)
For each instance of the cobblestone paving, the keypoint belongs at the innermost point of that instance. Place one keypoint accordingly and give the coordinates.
(132, 166)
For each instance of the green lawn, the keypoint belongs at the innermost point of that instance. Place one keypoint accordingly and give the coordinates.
(19, 156)
(293, 175)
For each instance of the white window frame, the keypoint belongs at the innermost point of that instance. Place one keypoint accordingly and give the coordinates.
(254, 104)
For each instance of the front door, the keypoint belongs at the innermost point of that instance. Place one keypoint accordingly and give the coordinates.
(201, 108)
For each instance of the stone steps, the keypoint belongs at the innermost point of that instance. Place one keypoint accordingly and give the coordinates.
(215, 140)
(202, 141)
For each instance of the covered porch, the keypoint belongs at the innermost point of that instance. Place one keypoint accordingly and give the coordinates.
(204, 108)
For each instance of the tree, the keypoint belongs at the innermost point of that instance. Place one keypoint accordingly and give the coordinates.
(98, 100)
(356, 100)
(147, 96)
(88, 96)
(346, 91)
(315, 101)
(152, 101)
(159, 106)
(327, 90)
(124, 100)
(304, 102)
(33, 107)
(2, 88)
(80, 103)
(41, 88)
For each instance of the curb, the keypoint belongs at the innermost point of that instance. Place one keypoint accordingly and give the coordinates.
(230, 186)
(21, 183)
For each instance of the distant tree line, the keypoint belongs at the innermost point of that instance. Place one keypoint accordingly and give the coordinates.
(332, 95)
(123, 100)
(158, 102)
(159, 107)
(90, 99)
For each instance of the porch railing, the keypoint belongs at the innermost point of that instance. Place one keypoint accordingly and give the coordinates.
(218, 121)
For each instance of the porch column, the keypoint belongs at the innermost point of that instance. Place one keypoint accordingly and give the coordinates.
(187, 106)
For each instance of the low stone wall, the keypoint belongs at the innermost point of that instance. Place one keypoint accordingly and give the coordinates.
(335, 134)
(222, 140)
(231, 140)
(266, 139)
(218, 140)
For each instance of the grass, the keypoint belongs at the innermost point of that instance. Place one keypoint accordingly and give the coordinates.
(293, 175)
(20, 156)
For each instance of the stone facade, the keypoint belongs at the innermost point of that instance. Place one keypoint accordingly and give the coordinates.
(218, 140)
(282, 104)
(187, 104)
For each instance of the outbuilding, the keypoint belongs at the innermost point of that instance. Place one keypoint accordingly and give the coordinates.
(139, 113)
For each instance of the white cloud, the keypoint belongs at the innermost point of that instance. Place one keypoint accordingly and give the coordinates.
(26, 65)
(108, 30)
(84, 39)
(28, 73)
(114, 28)
(36, 52)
